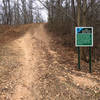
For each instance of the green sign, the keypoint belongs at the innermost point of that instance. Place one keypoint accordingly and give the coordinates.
(84, 36)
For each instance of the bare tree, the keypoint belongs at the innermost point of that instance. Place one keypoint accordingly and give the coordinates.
(24, 11)
(30, 11)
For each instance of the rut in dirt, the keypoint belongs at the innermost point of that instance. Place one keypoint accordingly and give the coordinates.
(38, 74)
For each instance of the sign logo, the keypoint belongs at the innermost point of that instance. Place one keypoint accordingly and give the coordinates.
(84, 36)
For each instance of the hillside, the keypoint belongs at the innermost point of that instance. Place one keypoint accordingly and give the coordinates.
(37, 65)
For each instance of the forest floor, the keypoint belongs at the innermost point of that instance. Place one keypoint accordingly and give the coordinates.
(35, 66)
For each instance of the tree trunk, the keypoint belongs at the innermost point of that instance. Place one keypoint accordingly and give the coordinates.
(79, 12)
(82, 50)
(84, 24)
(9, 15)
(73, 10)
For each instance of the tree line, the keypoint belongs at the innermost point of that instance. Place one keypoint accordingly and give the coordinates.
(77, 12)
(14, 12)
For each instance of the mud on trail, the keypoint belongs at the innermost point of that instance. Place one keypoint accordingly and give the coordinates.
(31, 70)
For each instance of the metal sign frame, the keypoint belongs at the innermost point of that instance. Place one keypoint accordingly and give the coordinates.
(87, 33)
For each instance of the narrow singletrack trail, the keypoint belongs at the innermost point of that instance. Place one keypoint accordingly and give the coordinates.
(39, 75)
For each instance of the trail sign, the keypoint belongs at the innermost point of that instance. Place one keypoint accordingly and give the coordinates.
(84, 36)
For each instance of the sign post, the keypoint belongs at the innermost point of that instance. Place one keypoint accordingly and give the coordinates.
(79, 58)
(90, 69)
(84, 38)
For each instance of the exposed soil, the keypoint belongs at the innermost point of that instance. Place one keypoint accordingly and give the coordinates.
(34, 66)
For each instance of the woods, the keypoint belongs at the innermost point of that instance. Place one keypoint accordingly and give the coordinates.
(63, 12)
(14, 12)
(77, 12)
(63, 15)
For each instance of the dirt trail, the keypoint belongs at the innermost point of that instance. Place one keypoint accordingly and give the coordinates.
(41, 77)
(28, 71)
